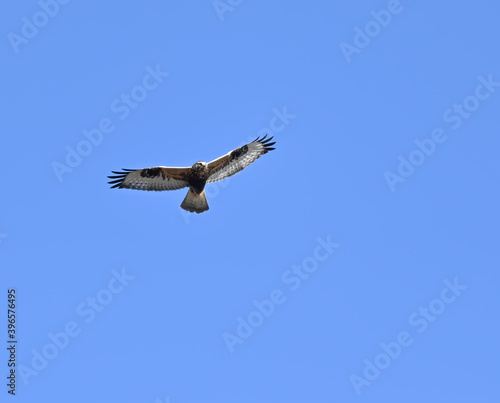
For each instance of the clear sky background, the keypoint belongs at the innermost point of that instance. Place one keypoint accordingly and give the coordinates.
(358, 262)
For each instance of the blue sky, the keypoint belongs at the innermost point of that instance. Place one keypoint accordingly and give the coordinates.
(358, 262)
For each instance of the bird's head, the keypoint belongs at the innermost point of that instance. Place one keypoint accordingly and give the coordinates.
(200, 165)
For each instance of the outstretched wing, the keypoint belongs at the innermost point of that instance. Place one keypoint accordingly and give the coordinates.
(238, 159)
(157, 178)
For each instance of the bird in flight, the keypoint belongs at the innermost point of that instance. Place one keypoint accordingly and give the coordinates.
(196, 176)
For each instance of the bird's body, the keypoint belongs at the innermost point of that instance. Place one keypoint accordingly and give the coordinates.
(196, 176)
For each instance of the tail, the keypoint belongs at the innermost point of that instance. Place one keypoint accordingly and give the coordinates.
(195, 203)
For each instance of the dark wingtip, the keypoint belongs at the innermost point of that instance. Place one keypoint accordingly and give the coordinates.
(119, 177)
(266, 142)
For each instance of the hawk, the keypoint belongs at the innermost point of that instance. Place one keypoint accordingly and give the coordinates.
(196, 176)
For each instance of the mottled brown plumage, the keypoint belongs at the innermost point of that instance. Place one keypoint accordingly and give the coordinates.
(196, 176)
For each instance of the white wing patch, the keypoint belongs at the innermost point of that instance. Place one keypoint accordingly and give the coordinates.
(157, 178)
(236, 160)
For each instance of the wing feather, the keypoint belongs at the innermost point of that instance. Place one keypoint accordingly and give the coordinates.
(238, 159)
(156, 178)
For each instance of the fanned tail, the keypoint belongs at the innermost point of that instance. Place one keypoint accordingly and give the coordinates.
(195, 203)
